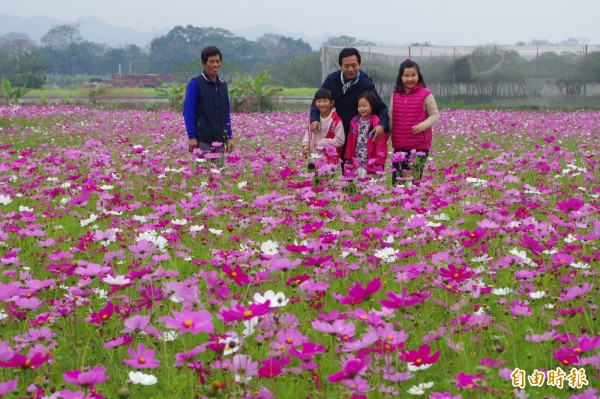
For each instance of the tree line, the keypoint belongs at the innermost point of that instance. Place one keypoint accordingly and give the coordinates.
(63, 51)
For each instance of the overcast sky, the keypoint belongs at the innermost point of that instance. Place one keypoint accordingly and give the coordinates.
(467, 22)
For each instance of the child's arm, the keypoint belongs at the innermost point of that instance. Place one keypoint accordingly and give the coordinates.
(432, 112)
(338, 137)
(306, 143)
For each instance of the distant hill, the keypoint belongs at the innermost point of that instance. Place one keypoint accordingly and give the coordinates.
(93, 29)
(97, 30)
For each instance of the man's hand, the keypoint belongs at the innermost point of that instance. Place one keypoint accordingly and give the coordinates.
(379, 132)
(230, 146)
(315, 126)
(192, 145)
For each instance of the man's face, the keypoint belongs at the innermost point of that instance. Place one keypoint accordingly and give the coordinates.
(350, 67)
(212, 66)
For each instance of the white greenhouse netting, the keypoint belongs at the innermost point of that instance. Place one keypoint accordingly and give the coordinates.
(528, 74)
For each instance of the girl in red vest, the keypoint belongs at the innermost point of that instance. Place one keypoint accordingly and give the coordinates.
(413, 111)
(327, 141)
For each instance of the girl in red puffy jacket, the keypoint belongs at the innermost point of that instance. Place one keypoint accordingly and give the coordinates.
(365, 155)
(413, 111)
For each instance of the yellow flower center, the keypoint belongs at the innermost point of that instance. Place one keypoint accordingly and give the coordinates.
(188, 323)
(247, 313)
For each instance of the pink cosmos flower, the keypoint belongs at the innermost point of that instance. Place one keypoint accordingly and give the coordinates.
(455, 274)
(239, 312)
(8, 386)
(142, 358)
(420, 356)
(405, 299)
(243, 367)
(467, 381)
(574, 292)
(308, 351)
(94, 375)
(190, 321)
(357, 294)
(350, 369)
(272, 367)
(570, 205)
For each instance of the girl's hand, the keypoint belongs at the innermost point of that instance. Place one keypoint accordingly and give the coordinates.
(305, 151)
(416, 129)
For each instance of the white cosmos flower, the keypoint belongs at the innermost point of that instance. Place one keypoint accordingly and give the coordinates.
(3, 315)
(537, 294)
(25, 209)
(269, 247)
(275, 300)
(196, 228)
(249, 327)
(117, 280)
(386, 254)
(5, 200)
(580, 265)
(441, 216)
(179, 222)
(420, 389)
(232, 345)
(89, 220)
(215, 231)
(138, 377)
(168, 336)
(242, 184)
(501, 291)
(414, 367)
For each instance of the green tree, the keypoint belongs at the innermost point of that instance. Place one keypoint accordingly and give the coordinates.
(347, 41)
(184, 45)
(20, 61)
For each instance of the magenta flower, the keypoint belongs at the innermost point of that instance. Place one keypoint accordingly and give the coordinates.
(91, 377)
(142, 358)
(358, 294)
(467, 381)
(455, 274)
(272, 367)
(570, 205)
(239, 312)
(405, 299)
(351, 369)
(190, 321)
(421, 356)
(308, 351)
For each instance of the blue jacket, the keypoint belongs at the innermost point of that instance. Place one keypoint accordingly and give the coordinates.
(206, 110)
(346, 105)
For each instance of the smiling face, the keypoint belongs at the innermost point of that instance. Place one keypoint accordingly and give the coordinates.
(212, 66)
(364, 108)
(324, 106)
(410, 78)
(350, 67)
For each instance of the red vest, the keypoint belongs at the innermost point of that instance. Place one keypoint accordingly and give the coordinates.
(408, 111)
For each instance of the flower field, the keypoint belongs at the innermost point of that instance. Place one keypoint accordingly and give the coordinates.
(130, 268)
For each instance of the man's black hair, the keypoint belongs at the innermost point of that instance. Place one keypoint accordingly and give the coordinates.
(348, 52)
(209, 52)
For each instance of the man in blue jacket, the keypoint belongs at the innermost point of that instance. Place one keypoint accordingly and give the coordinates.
(206, 109)
(345, 86)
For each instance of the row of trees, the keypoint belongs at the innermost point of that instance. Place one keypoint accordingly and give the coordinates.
(63, 51)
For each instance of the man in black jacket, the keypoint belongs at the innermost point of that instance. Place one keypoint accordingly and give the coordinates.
(206, 109)
(345, 86)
